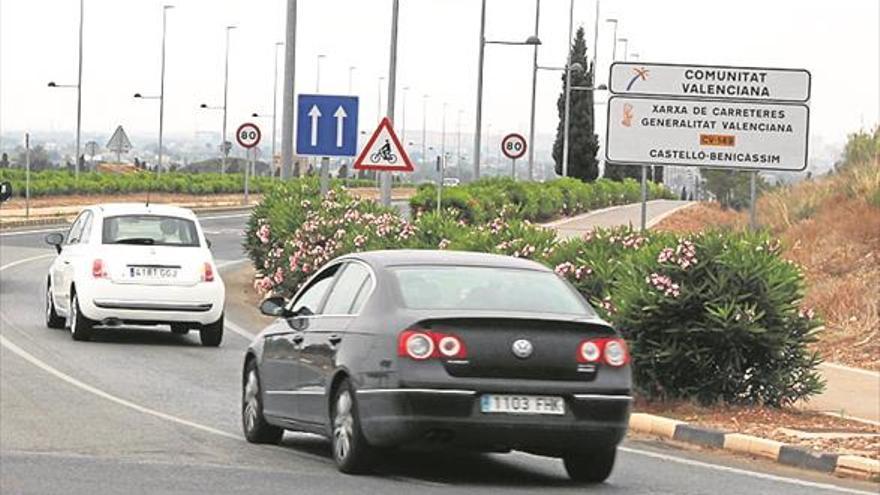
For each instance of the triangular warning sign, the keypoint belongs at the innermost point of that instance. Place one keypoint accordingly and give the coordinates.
(384, 152)
(119, 142)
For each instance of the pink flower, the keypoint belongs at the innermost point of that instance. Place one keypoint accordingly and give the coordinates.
(279, 276)
(444, 243)
(360, 240)
(263, 233)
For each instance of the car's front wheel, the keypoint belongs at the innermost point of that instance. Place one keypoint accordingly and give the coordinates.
(80, 326)
(52, 318)
(212, 333)
(256, 429)
(590, 467)
(351, 451)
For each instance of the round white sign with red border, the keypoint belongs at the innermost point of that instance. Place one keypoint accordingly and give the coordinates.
(248, 135)
(514, 146)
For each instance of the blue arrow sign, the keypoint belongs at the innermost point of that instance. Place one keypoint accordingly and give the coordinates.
(326, 125)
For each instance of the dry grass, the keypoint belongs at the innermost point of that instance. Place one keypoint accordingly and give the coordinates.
(831, 228)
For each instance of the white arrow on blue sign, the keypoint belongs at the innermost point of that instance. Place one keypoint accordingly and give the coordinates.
(327, 125)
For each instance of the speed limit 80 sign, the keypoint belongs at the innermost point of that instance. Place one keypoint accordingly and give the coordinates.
(513, 146)
(248, 135)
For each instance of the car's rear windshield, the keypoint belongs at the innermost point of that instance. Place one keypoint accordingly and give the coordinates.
(151, 230)
(487, 288)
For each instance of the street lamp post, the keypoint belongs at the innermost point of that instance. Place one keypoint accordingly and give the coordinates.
(289, 91)
(320, 57)
(385, 177)
(351, 69)
(567, 116)
(78, 87)
(614, 37)
(531, 144)
(625, 42)
(530, 41)
(162, 87)
(275, 104)
(223, 147)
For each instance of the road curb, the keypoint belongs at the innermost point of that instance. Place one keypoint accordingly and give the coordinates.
(63, 219)
(789, 455)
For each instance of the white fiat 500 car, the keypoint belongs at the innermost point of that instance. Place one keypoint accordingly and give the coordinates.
(138, 264)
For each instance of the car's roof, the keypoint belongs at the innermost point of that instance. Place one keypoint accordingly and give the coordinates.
(112, 209)
(441, 257)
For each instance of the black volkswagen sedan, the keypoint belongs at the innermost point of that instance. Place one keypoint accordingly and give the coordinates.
(440, 349)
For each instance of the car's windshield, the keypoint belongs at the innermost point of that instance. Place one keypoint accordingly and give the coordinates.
(487, 288)
(153, 230)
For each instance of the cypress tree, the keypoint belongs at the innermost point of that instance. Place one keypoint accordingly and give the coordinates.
(583, 142)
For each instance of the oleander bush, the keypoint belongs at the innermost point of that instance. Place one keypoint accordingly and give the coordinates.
(712, 316)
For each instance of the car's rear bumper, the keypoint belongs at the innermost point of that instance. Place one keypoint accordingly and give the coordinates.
(453, 417)
(201, 303)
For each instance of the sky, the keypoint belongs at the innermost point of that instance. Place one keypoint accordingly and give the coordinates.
(837, 41)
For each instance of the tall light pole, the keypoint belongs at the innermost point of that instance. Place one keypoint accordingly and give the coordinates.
(443, 138)
(224, 148)
(289, 91)
(379, 94)
(531, 40)
(78, 87)
(531, 144)
(566, 123)
(614, 37)
(595, 39)
(625, 42)
(320, 57)
(161, 96)
(458, 144)
(479, 116)
(351, 70)
(385, 177)
(424, 130)
(275, 105)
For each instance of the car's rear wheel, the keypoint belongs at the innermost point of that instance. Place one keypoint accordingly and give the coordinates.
(212, 333)
(351, 451)
(179, 328)
(590, 467)
(52, 318)
(80, 326)
(256, 429)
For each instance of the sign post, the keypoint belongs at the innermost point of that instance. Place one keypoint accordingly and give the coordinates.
(248, 136)
(740, 118)
(513, 146)
(326, 126)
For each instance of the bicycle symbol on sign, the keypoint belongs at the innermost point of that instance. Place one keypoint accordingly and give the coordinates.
(384, 154)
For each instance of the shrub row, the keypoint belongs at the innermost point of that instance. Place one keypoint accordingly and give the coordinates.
(480, 201)
(63, 182)
(712, 316)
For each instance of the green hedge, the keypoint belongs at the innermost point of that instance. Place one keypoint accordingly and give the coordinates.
(481, 201)
(712, 316)
(63, 182)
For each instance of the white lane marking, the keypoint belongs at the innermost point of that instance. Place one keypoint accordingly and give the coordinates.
(26, 260)
(240, 331)
(231, 263)
(850, 369)
(743, 472)
(105, 395)
(221, 217)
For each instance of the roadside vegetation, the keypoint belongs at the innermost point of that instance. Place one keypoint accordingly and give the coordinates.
(830, 227)
(710, 316)
(65, 183)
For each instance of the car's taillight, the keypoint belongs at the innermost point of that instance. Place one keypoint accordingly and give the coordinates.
(610, 350)
(422, 344)
(98, 270)
(208, 272)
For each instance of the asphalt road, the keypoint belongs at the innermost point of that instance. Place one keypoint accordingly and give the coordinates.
(146, 411)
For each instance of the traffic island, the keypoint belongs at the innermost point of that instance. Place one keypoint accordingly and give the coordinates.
(795, 438)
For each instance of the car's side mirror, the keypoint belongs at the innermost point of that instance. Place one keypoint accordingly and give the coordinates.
(55, 239)
(274, 306)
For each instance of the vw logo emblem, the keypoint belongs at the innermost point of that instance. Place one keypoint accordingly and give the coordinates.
(522, 348)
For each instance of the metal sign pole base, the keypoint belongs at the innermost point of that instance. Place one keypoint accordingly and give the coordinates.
(325, 175)
(644, 197)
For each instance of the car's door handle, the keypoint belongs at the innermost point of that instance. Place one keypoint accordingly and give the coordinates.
(334, 338)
